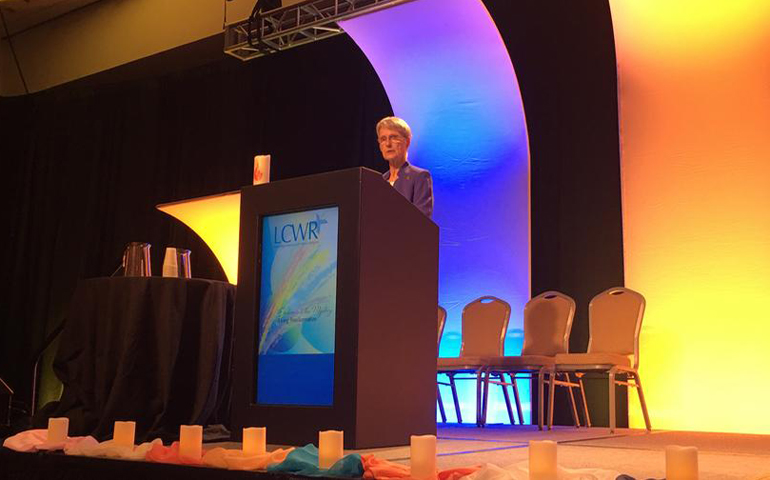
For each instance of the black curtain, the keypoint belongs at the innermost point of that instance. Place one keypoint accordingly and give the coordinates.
(85, 164)
(564, 55)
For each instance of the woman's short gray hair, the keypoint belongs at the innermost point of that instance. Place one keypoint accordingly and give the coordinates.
(397, 124)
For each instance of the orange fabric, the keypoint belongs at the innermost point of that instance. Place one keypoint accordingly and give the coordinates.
(237, 460)
(383, 469)
(215, 458)
(457, 473)
(160, 454)
(380, 469)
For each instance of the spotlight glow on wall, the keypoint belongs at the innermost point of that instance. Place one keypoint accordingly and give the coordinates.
(694, 83)
(447, 72)
(216, 219)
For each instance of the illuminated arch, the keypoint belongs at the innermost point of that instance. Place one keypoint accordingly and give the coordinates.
(446, 71)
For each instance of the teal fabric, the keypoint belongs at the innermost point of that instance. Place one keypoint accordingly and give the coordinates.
(304, 461)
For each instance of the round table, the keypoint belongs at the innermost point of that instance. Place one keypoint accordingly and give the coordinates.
(149, 349)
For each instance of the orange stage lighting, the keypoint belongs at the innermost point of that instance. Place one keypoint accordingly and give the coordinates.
(694, 86)
(216, 219)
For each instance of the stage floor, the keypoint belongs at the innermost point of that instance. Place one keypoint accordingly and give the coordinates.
(633, 452)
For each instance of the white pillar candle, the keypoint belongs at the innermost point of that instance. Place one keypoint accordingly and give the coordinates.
(423, 456)
(190, 441)
(261, 169)
(58, 429)
(542, 460)
(681, 463)
(123, 434)
(254, 440)
(329, 447)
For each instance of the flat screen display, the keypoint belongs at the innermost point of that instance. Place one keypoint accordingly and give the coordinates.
(297, 308)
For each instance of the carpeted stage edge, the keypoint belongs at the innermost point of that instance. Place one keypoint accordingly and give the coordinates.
(722, 456)
(45, 465)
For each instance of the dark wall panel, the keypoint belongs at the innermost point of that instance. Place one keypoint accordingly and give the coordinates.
(564, 56)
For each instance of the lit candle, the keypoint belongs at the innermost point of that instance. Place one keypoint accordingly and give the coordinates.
(190, 441)
(123, 434)
(423, 456)
(681, 463)
(254, 441)
(58, 429)
(261, 169)
(329, 448)
(542, 460)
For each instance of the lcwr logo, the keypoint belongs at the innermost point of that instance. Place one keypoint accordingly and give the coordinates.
(297, 233)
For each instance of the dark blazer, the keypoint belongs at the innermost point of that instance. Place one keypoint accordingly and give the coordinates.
(416, 185)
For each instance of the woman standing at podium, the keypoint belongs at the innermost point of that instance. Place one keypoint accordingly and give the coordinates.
(414, 183)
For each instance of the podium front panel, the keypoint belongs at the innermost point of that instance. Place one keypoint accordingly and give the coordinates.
(304, 353)
(297, 307)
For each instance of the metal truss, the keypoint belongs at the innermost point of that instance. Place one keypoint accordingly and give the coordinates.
(286, 27)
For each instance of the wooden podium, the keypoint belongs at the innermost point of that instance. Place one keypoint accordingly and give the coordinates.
(385, 329)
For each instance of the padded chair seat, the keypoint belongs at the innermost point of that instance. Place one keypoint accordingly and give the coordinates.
(522, 361)
(593, 359)
(459, 363)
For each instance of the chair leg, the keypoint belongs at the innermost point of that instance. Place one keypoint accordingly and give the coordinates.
(611, 379)
(585, 402)
(453, 386)
(551, 389)
(507, 399)
(485, 397)
(440, 404)
(516, 398)
(540, 397)
(478, 398)
(575, 417)
(642, 403)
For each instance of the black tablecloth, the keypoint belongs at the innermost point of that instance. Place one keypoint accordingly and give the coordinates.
(149, 349)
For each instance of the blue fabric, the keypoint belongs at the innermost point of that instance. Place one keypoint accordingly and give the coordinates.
(416, 185)
(304, 461)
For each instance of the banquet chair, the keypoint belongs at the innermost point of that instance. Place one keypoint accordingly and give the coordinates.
(484, 323)
(547, 326)
(614, 322)
(441, 322)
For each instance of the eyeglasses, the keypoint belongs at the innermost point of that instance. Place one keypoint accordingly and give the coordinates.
(392, 138)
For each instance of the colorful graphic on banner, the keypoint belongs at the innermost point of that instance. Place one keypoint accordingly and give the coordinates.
(297, 308)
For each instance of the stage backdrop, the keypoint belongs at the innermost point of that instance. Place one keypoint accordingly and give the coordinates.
(694, 81)
(448, 73)
(86, 163)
